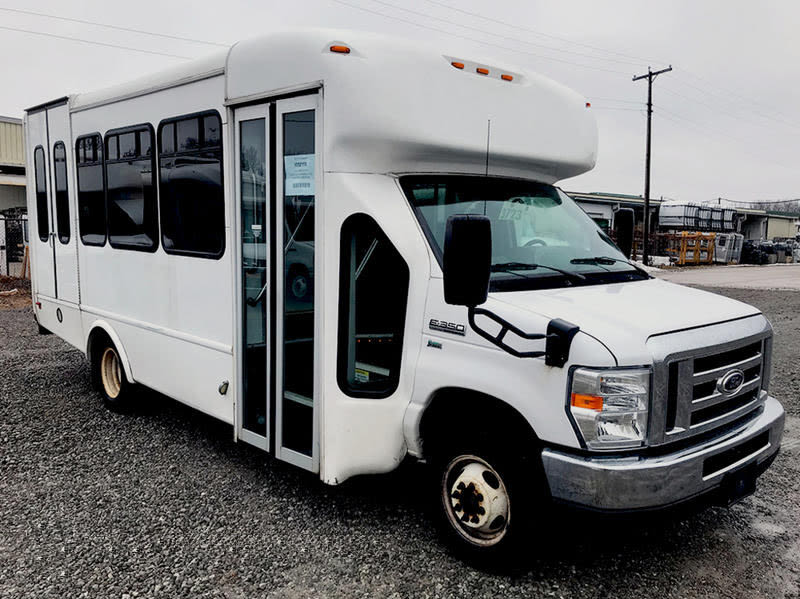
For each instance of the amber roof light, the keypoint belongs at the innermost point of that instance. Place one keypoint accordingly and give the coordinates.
(482, 71)
(340, 49)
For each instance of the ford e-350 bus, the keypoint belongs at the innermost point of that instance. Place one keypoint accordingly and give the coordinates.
(351, 249)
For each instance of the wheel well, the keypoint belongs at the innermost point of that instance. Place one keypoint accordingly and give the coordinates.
(96, 339)
(453, 409)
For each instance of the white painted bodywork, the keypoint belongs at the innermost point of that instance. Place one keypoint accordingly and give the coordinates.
(387, 108)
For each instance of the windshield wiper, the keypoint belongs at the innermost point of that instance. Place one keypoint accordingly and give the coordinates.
(609, 260)
(510, 267)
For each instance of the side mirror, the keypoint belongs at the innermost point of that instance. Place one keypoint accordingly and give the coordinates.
(623, 229)
(467, 260)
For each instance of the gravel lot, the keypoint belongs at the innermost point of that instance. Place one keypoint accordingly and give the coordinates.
(162, 503)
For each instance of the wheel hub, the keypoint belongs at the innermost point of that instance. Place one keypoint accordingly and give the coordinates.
(479, 500)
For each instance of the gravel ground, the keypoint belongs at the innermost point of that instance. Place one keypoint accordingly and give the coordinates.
(162, 503)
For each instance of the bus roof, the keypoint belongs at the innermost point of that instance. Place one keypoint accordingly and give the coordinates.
(397, 106)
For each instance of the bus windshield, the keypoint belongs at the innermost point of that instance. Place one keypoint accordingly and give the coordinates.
(540, 236)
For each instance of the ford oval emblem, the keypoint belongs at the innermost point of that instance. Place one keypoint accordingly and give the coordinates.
(731, 382)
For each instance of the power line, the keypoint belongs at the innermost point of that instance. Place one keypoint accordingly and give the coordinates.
(716, 135)
(729, 92)
(630, 56)
(501, 36)
(617, 108)
(593, 98)
(639, 60)
(470, 39)
(763, 202)
(85, 41)
(118, 28)
(719, 109)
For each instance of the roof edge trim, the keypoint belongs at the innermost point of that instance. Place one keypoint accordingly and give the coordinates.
(153, 89)
(46, 105)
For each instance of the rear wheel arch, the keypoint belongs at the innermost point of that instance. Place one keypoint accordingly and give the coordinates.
(100, 332)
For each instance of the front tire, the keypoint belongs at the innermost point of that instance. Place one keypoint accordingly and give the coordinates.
(492, 498)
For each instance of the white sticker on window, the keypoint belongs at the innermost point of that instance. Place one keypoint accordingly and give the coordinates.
(298, 175)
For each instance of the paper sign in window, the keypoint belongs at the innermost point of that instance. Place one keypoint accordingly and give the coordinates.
(298, 173)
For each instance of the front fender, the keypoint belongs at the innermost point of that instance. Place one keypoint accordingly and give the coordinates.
(535, 390)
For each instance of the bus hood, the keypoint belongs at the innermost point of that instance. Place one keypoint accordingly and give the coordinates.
(623, 316)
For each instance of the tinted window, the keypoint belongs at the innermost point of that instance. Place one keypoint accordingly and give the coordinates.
(62, 195)
(190, 185)
(188, 134)
(372, 309)
(132, 214)
(40, 173)
(167, 139)
(91, 193)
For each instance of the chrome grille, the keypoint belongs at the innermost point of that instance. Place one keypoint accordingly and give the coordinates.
(695, 402)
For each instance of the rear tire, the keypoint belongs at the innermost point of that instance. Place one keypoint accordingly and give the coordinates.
(108, 376)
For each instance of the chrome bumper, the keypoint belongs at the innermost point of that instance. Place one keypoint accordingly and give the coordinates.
(633, 483)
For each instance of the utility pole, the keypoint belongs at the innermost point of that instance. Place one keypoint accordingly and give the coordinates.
(649, 76)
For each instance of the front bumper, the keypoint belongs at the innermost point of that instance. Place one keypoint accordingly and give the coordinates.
(639, 483)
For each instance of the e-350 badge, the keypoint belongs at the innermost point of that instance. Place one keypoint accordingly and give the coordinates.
(447, 327)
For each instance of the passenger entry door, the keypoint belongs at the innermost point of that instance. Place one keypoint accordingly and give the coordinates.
(278, 175)
(41, 216)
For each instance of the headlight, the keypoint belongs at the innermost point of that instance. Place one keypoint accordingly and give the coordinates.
(610, 406)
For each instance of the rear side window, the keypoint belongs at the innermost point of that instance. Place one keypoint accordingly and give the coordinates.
(62, 194)
(91, 190)
(131, 196)
(372, 310)
(40, 174)
(190, 186)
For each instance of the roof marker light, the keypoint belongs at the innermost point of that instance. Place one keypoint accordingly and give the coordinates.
(340, 49)
(506, 77)
(482, 71)
(458, 65)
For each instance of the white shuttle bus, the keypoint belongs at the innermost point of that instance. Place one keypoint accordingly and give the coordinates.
(351, 249)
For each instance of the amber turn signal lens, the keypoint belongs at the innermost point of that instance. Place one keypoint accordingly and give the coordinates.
(340, 49)
(458, 65)
(482, 71)
(506, 77)
(589, 402)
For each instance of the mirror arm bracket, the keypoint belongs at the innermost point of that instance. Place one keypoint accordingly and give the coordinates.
(558, 338)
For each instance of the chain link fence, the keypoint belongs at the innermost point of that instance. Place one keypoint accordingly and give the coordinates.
(14, 257)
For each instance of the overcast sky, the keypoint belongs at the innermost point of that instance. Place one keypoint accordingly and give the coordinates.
(726, 120)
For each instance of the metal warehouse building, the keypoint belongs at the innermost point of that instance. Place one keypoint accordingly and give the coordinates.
(12, 164)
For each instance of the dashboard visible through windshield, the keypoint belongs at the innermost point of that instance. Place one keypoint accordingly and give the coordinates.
(540, 236)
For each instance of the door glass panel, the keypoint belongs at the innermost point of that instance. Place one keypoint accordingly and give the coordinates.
(255, 221)
(298, 269)
(42, 216)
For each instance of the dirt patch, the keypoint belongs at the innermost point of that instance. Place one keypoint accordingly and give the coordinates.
(15, 293)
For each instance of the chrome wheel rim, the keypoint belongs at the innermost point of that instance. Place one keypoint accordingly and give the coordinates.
(111, 373)
(476, 500)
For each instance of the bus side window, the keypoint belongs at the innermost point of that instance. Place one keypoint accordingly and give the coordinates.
(130, 190)
(42, 217)
(91, 190)
(191, 194)
(372, 310)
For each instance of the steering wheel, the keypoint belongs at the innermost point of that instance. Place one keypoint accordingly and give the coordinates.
(535, 241)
